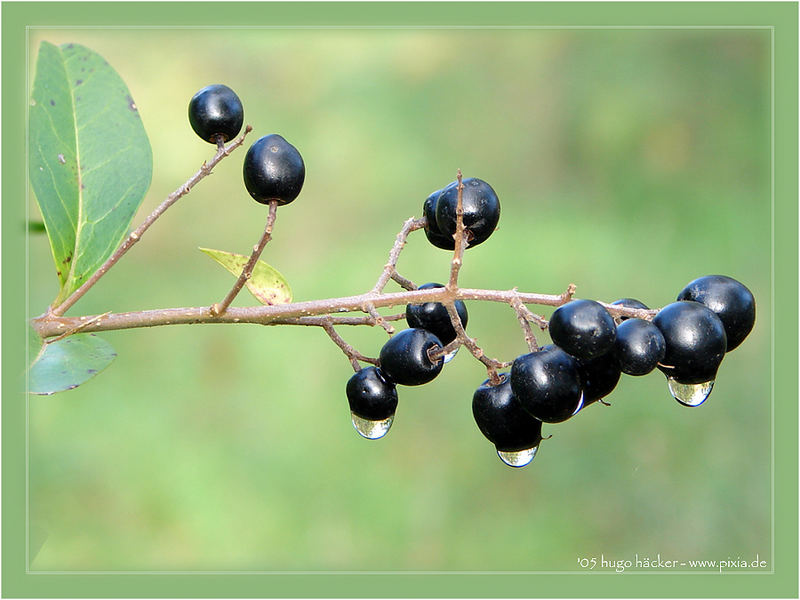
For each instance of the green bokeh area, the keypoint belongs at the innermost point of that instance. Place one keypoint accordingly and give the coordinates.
(627, 162)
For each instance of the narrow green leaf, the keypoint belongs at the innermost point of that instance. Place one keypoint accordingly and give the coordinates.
(90, 159)
(266, 283)
(69, 362)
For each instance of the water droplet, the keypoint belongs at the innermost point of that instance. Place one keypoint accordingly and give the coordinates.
(372, 430)
(690, 394)
(450, 355)
(518, 458)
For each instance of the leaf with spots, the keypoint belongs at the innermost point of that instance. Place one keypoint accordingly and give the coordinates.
(89, 158)
(266, 283)
(67, 363)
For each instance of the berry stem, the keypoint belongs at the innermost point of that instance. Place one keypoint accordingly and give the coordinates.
(352, 354)
(492, 365)
(524, 315)
(247, 272)
(459, 237)
(389, 269)
(136, 235)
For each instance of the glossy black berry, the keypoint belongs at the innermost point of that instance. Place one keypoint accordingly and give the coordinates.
(481, 210)
(732, 302)
(435, 237)
(583, 328)
(547, 384)
(434, 317)
(216, 112)
(502, 419)
(273, 170)
(404, 358)
(371, 395)
(695, 341)
(599, 376)
(629, 303)
(640, 346)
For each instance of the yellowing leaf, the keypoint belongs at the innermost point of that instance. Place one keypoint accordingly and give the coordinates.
(266, 283)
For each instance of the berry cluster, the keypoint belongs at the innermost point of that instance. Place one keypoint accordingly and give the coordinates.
(593, 344)
(273, 168)
(591, 349)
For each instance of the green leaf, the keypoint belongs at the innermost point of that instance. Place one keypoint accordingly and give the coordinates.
(90, 159)
(69, 362)
(266, 283)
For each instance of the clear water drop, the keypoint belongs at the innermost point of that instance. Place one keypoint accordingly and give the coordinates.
(690, 394)
(372, 430)
(518, 458)
(450, 356)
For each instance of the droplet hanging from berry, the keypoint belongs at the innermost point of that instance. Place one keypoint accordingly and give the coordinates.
(372, 430)
(690, 394)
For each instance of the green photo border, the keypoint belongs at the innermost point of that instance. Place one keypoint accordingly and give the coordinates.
(780, 17)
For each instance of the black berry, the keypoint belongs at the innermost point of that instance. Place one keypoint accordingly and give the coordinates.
(583, 328)
(629, 303)
(640, 346)
(432, 232)
(695, 341)
(547, 384)
(273, 170)
(732, 302)
(216, 112)
(481, 210)
(599, 376)
(404, 358)
(434, 317)
(370, 395)
(502, 420)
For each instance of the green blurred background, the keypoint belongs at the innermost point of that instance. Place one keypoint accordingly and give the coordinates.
(627, 161)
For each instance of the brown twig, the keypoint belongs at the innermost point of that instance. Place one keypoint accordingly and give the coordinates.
(524, 321)
(136, 235)
(377, 317)
(80, 327)
(492, 365)
(352, 354)
(404, 283)
(50, 325)
(459, 237)
(221, 307)
(389, 270)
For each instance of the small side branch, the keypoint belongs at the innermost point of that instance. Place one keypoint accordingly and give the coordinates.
(404, 283)
(136, 235)
(492, 365)
(460, 237)
(247, 272)
(377, 317)
(524, 315)
(389, 269)
(352, 354)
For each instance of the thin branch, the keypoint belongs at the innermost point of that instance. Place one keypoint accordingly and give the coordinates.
(247, 272)
(524, 321)
(492, 365)
(352, 354)
(77, 328)
(136, 235)
(334, 320)
(459, 237)
(49, 325)
(404, 283)
(410, 225)
(377, 317)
